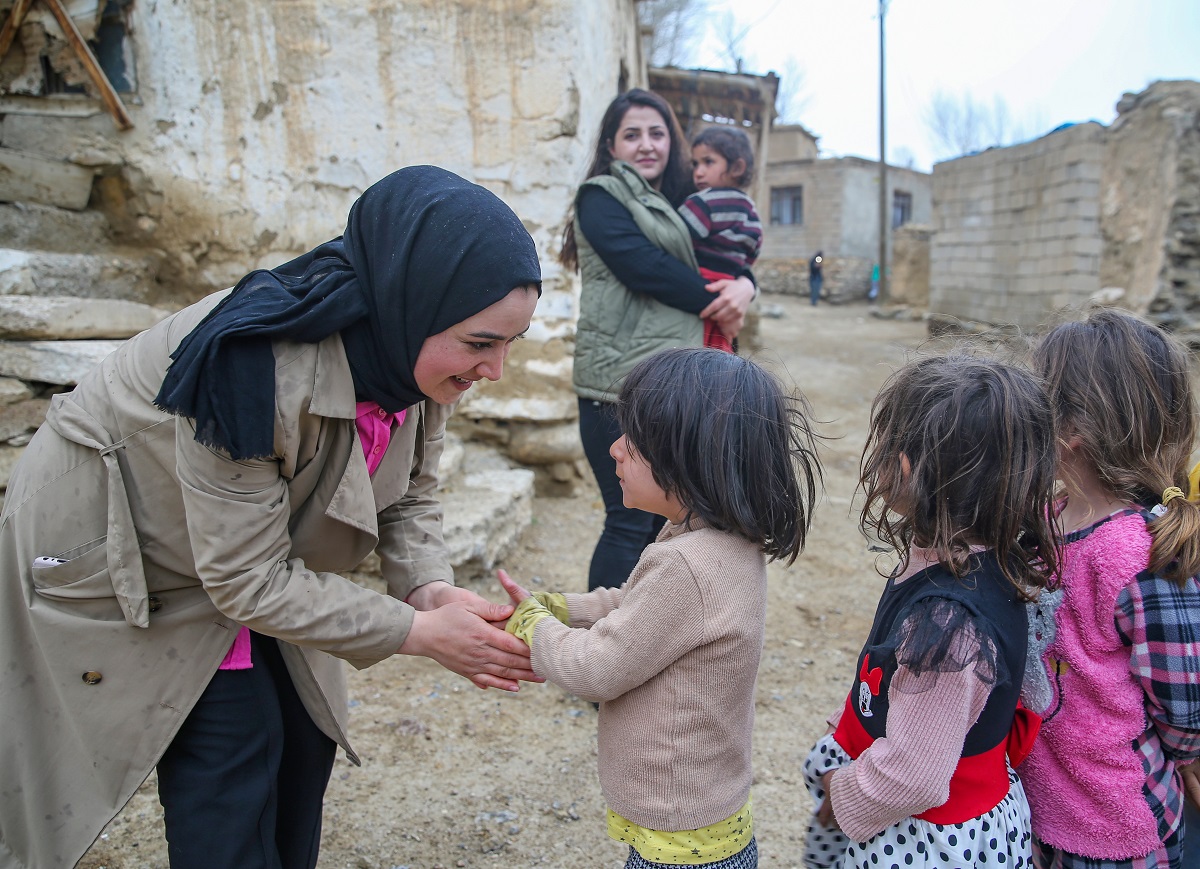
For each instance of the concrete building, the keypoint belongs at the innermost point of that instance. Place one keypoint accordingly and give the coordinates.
(830, 205)
(1018, 229)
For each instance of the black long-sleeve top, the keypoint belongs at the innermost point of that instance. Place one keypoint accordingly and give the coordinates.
(635, 261)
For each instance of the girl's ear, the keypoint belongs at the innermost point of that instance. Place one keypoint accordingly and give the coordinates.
(738, 170)
(905, 469)
(1069, 438)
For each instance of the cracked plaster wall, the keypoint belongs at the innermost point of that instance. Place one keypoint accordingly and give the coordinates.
(257, 124)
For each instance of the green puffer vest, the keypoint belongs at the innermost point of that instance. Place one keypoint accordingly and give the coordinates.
(618, 328)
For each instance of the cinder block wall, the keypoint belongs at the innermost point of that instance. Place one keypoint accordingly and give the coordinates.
(1018, 229)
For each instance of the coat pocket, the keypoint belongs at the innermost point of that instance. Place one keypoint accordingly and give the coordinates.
(83, 576)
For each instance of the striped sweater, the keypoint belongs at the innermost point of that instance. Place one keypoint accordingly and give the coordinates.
(725, 228)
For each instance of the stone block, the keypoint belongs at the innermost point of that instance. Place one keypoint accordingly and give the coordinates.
(20, 420)
(8, 461)
(66, 318)
(485, 514)
(30, 177)
(545, 444)
(92, 276)
(13, 390)
(58, 362)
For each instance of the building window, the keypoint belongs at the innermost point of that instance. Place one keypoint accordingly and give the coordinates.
(787, 206)
(901, 208)
(110, 45)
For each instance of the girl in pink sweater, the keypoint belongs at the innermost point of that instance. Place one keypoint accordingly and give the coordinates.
(716, 445)
(958, 473)
(1119, 676)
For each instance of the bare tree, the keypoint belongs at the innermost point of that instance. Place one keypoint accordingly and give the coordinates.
(732, 33)
(960, 125)
(676, 27)
(790, 99)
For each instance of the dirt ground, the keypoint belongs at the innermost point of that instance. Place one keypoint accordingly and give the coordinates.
(457, 777)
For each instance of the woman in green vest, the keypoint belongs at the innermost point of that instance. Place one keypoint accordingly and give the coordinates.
(642, 293)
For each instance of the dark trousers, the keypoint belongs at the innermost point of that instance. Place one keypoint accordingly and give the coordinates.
(626, 532)
(243, 781)
(1191, 836)
(815, 283)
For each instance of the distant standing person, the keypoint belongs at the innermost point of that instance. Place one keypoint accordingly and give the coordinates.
(874, 293)
(642, 293)
(816, 277)
(724, 224)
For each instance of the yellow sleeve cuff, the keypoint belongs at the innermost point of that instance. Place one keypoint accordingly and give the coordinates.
(556, 603)
(524, 619)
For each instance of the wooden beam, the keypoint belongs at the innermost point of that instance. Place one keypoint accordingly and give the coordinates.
(111, 101)
(15, 16)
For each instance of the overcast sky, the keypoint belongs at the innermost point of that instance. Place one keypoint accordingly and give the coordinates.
(1050, 61)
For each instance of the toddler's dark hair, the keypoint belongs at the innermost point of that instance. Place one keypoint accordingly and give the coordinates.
(732, 144)
(723, 437)
(1122, 385)
(975, 439)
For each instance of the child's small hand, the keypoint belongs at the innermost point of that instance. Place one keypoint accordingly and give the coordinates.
(516, 592)
(825, 814)
(1190, 773)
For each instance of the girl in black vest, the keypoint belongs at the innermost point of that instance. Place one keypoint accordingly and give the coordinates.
(958, 474)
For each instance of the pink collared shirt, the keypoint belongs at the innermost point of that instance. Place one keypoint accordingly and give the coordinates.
(374, 425)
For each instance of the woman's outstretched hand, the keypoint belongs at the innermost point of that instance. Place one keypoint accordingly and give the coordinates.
(457, 632)
(728, 309)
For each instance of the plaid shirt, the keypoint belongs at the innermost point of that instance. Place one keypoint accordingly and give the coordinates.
(1160, 623)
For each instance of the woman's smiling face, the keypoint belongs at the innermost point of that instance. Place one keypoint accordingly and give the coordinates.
(644, 141)
(473, 349)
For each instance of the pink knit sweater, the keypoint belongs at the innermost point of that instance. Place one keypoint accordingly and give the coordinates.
(1083, 779)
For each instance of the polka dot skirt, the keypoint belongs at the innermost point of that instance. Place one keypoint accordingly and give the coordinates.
(999, 838)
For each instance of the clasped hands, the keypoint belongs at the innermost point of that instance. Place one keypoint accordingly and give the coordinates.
(465, 634)
(728, 309)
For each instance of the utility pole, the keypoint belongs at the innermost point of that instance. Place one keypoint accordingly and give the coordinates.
(884, 210)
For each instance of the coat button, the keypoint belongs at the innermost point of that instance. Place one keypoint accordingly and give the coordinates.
(91, 677)
(155, 604)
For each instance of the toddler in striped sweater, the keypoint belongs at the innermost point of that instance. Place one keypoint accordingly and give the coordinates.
(723, 222)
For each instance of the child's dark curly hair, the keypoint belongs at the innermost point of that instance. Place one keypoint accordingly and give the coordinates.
(961, 452)
(723, 437)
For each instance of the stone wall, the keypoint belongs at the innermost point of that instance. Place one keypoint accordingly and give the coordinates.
(1084, 213)
(910, 266)
(256, 125)
(1017, 230)
(1150, 206)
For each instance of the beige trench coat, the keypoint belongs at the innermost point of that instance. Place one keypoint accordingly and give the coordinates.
(169, 547)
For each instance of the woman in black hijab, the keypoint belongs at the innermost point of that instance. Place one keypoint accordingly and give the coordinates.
(176, 533)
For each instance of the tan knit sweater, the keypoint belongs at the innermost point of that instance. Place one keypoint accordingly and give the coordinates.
(672, 656)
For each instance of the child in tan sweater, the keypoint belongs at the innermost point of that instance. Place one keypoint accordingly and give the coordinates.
(713, 443)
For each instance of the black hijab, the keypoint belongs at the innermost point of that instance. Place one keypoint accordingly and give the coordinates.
(423, 249)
